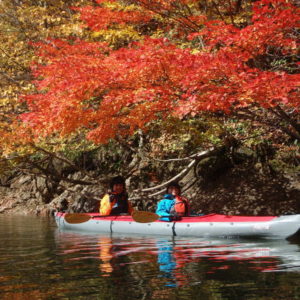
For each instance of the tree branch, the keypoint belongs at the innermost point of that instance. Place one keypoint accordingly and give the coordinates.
(70, 163)
(196, 157)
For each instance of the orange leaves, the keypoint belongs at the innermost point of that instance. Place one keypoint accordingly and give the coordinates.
(274, 24)
(270, 89)
(103, 17)
(114, 92)
(73, 74)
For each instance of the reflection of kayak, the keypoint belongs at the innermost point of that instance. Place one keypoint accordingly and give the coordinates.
(175, 252)
(200, 226)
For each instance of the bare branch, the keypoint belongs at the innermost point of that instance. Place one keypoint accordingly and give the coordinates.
(196, 157)
(184, 171)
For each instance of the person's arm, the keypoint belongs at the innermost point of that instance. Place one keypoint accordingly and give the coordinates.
(162, 209)
(188, 207)
(130, 209)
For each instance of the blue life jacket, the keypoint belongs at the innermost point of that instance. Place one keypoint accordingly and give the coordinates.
(165, 207)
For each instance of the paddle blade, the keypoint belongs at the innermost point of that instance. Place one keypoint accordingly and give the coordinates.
(144, 216)
(76, 218)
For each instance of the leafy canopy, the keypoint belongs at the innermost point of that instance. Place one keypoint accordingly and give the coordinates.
(178, 59)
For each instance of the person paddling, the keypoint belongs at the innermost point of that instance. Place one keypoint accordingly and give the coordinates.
(173, 206)
(115, 202)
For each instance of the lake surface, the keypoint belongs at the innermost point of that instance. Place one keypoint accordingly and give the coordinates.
(38, 261)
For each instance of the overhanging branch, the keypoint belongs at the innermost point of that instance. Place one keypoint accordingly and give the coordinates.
(194, 158)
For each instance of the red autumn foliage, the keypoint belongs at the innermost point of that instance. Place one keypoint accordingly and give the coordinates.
(114, 92)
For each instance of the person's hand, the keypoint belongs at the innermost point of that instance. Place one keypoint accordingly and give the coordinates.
(175, 217)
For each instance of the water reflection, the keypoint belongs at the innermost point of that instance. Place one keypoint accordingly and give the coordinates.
(166, 261)
(37, 261)
(176, 261)
(105, 254)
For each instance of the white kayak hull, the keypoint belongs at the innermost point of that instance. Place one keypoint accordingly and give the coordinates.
(205, 226)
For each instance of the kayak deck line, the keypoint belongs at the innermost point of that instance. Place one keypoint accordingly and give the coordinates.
(212, 225)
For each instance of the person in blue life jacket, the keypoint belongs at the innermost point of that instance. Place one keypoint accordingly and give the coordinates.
(173, 206)
(115, 202)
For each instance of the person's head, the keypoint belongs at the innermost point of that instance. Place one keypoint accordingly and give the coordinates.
(174, 189)
(117, 185)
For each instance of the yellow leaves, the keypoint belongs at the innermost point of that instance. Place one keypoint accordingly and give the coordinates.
(28, 87)
(70, 145)
(238, 19)
(9, 90)
(158, 34)
(68, 29)
(35, 12)
(120, 7)
(5, 100)
(195, 51)
(20, 25)
(244, 18)
(177, 135)
(117, 35)
(43, 22)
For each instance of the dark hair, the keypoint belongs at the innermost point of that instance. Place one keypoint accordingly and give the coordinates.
(175, 185)
(117, 180)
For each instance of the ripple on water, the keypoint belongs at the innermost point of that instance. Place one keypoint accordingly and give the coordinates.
(37, 261)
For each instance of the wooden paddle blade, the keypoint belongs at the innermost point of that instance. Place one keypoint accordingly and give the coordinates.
(77, 218)
(144, 216)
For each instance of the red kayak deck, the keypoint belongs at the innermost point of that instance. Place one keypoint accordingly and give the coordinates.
(226, 218)
(205, 218)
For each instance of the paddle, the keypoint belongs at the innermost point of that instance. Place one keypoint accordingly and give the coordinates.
(144, 216)
(137, 216)
(77, 218)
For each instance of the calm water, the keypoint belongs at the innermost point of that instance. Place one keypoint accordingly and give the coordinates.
(37, 261)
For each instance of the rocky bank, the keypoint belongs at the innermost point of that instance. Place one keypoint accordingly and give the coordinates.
(211, 188)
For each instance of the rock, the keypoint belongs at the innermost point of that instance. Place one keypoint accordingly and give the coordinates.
(17, 182)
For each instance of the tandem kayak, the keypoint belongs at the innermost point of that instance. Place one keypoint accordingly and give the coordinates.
(212, 225)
